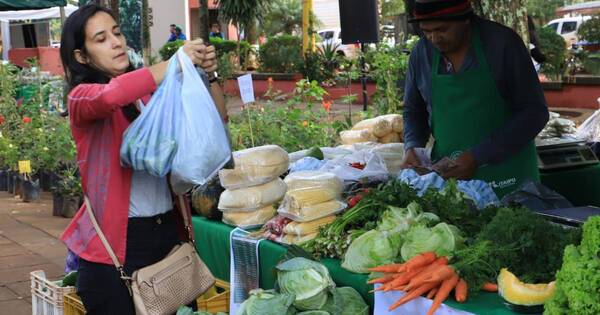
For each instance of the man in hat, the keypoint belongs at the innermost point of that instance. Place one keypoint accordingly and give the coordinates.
(472, 86)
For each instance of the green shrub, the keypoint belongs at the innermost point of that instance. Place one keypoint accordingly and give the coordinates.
(281, 54)
(553, 47)
(590, 30)
(223, 46)
(169, 49)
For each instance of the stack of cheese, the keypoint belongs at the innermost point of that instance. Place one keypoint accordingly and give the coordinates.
(312, 200)
(382, 129)
(253, 187)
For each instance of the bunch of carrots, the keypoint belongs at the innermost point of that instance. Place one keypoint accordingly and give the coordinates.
(424, 274)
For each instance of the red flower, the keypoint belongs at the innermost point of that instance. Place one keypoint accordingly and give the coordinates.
(327, 105)
(26, 120)
(1, 119)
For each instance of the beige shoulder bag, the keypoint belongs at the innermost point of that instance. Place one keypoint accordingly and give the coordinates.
(163, 287)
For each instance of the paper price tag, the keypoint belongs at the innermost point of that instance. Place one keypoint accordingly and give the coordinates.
(25, 167)
(246, 88)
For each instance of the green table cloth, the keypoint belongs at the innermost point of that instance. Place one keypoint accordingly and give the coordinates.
(579, 185)
(212, 243)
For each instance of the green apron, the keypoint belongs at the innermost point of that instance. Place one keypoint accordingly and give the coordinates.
(466, 109)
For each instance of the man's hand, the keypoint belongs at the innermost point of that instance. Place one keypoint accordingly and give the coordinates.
(464, 167)
(410, 159)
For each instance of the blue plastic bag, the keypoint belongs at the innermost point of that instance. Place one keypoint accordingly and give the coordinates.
(202, 142)
(180, 131)
(149, 144)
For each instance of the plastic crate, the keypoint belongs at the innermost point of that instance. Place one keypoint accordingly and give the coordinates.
(47, 297)
(73, 305)
(216, 299)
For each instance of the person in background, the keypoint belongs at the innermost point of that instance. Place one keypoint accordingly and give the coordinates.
(176, 33)
(133, 208)
(472, 86)
(215, 31)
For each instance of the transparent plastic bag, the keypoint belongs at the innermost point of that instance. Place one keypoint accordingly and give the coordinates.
(255, 166)
(313, 180)
(314, 212)
(374, 167)
(590, 129)
(203, 147)
(252, 198)
(249, 220)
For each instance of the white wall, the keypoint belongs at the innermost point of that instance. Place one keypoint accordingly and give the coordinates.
(328, 13)
(165, 13)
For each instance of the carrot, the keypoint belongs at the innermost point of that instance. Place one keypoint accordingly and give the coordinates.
(419, 260)
(489, 287)
(432, 293)
(384, 279)
(386, 268)
(440, 274)
(413, 294)
(460, 291)
(402, 279)
(443, 293)
(427, 271)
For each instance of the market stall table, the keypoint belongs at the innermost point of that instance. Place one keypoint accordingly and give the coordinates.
(579, 185)
(212, 243)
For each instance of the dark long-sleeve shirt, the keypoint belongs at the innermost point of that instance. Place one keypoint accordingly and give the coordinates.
(515, 78)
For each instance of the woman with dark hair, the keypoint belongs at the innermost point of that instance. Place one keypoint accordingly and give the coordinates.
(134, 209)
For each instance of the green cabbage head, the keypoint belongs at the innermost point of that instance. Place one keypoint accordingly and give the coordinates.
(307, 280)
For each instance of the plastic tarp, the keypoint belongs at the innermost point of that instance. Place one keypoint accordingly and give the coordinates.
(6, 5)
(47, 13)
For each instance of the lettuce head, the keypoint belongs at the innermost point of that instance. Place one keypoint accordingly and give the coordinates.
(308, 281)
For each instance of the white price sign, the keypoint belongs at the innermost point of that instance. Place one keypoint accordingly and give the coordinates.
(246, 88)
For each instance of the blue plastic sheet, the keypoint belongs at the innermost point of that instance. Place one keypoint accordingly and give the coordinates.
(479, 191)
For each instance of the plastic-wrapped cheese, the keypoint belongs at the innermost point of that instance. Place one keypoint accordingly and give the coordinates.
(357, 136)
(252, 198)
(252, 219)
(314, 180)
(391, 137)
(314, 212)
(290, 239)
(304, 228)
(308, 196)
(255, 166)
(377, 126)
(396, 121)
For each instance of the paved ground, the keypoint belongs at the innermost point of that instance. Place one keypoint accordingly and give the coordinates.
(28, 241)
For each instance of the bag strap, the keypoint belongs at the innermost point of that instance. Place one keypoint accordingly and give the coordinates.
(186, 215)
(104, 241)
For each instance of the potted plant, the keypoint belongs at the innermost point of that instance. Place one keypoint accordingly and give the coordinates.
(68, 188)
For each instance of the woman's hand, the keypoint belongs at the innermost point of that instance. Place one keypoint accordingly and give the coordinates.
(201, 54)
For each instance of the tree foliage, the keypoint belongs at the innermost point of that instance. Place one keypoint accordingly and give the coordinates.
(284, 16)
(243, 13)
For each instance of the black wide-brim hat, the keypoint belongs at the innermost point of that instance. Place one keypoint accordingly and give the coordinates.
(428, 10)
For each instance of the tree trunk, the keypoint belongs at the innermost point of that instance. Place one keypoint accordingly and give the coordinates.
(252, 33)
(114, 6)
(204, 23)
(512, 13)
(146, 32)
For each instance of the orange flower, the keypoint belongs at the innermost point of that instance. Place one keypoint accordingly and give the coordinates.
(327, 105)
(270, 80)
(26, 120)
(305, 123)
